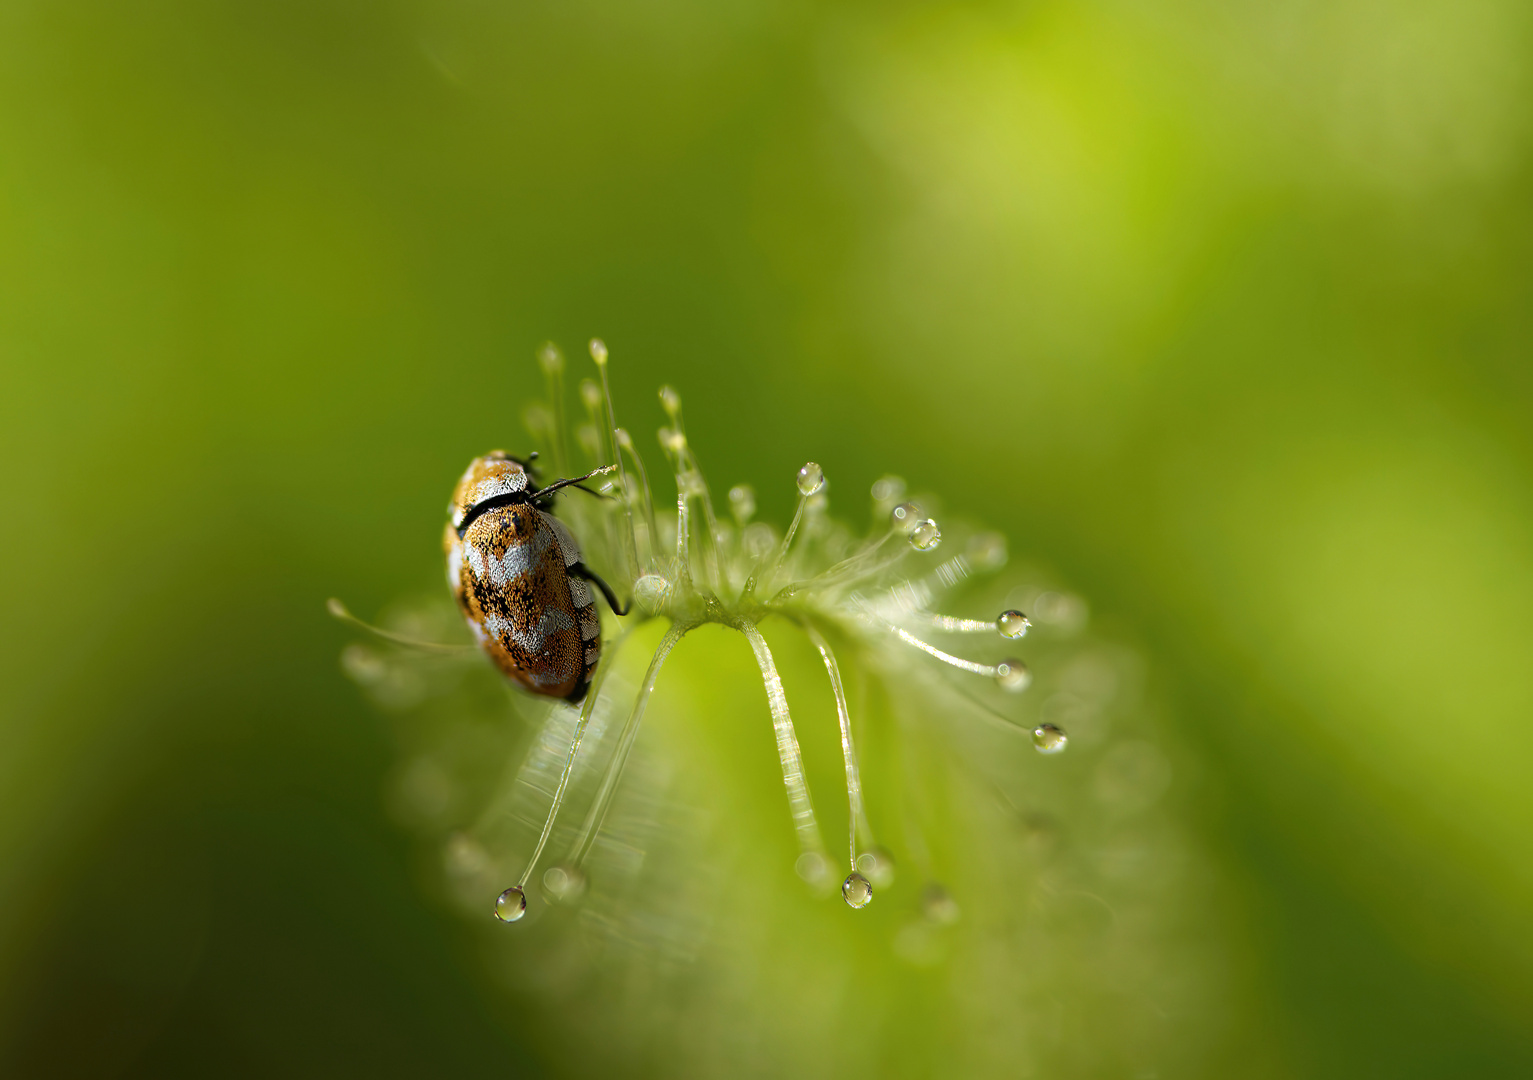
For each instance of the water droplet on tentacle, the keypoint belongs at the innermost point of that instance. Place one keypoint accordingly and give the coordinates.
(1013, 675)
(1048, 739)
(856, 891)
(877, 865)
(551, 358)
(925, 535)
(670, 401)
(590, 394)
(651, 592)
(1012, 624)
(906, 516)
(511, 904)
(810, 478)
(598, 350)
(564, 883)
(742, 501)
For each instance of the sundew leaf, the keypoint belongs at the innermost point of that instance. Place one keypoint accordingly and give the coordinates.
(1039, 908)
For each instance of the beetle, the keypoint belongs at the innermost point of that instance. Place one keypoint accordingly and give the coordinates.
(516, 573)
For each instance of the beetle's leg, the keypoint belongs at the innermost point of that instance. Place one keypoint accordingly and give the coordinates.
(582, 571)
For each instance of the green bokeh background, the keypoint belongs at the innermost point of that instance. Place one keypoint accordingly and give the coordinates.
(1221, 310)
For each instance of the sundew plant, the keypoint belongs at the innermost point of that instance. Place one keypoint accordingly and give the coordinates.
(946, 733)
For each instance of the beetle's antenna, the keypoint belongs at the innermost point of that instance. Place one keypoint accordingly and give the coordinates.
(572, 481)
(812, 862)
(343, 613)
(552, 362)
(858, 816)
(598, 811)
(625, 441)
(630, 545)
(569, 762)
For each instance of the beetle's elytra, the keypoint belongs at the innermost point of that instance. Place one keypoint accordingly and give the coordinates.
(516, 572)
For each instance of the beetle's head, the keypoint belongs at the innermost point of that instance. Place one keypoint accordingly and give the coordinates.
(495, 475)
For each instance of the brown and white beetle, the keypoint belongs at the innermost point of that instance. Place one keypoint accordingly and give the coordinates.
(515, 570)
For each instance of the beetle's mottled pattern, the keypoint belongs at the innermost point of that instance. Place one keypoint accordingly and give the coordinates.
(510, 570)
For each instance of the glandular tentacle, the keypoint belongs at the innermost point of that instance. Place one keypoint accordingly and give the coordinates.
(812, 863)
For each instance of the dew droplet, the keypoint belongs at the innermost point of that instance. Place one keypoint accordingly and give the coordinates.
(925, 535)
(624, 439)
(1012, 624)
(551, 358)
(811, 478)
(564, 883)
(598, 350)
(651, 592)
(938, 905)
(906, 516)
(511, 904)
(590, 394)
(877, 865)
(590, 442)
(856, 891)
(670, 401)
(742, 500)
(1048, 739)
(1012, 674)
(813, 867)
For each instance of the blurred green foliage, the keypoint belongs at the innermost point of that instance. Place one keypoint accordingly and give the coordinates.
(1220, 310)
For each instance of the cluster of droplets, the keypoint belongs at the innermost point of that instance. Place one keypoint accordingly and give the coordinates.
(665, 585)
